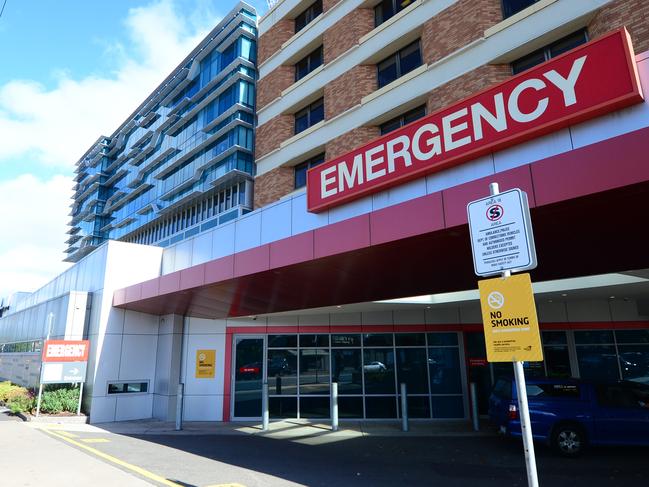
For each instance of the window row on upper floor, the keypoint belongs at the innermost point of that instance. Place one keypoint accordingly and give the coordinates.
(409, 58)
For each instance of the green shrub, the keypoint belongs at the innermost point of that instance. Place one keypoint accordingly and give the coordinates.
(60, 399)
(20, 400)
(6, 389)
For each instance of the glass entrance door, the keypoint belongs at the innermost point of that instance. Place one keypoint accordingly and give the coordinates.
(248, 376)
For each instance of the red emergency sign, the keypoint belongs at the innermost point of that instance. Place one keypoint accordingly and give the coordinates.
(588, 81)
(66, 351)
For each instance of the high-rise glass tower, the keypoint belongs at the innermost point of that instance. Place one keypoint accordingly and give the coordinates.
(182, 162)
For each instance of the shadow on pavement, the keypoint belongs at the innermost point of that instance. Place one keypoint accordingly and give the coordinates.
(384, 461)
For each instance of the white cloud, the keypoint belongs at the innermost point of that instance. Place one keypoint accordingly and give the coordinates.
(56, 126)
(33, 215)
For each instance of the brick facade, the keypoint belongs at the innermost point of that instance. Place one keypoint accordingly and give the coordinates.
(466, 85)
(271, 86)
(328, 4)
(346, 32)
(632, 14)
(347, 90)
(271, 41)
(457, 26)
(274, 132)
(272, 185)
(351, 140)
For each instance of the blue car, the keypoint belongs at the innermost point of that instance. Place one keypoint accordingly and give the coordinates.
(569, 414)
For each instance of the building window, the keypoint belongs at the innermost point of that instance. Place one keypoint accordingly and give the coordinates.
(127, 387)
(301, 169)
(399, 63)
(307, 64)
(404, 119)
(388, 8)
(309, 115)
(551, 50)
(511, 7)
(306, 17)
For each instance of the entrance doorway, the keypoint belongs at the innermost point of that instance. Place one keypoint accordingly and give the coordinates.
(248, 376)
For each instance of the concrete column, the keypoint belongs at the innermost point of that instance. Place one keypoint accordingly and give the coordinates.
(167, 373)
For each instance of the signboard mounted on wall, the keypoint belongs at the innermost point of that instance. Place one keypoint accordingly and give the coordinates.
(588, 81)
(205, 364)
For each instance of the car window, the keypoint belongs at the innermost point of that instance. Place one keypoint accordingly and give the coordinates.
(567, 391)
(622, 396)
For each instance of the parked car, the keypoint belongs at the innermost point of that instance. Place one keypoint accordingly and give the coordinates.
(569, 414)
(376, 367)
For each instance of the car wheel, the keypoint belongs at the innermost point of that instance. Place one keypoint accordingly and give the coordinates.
(569, 440)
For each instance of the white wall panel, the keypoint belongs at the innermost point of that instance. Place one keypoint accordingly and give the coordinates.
(133, 406)
(201, 248)
(534, 150)
(289, 320)
(457, 175)
(106, 351)
(302, 220)
(223, 241)
(345, 319)
(443, 316)
(140, 323)
(554, 312)
(350, 210)
(138, 357)
(163, 361)
(399, 194)
(377, 318)
(471, 313)
(409, 316)
(276, 222)
(201, 326)
(169, 260)
(589, 310)
(203, 408)
(183, 255)
(313, 320)
(103, 409)
(248, 232)
(624, 310)
(113, 322)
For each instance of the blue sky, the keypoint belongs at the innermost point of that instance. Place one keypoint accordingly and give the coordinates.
(73, 70)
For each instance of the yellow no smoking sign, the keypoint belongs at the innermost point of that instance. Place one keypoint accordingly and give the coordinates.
(509, 317)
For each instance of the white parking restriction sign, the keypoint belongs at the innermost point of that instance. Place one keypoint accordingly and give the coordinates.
(501, 233)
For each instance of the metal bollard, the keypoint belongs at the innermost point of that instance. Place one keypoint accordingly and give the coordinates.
(265, 417)
(334, 406)
(179, 406)
(404, 407)
(474, 406)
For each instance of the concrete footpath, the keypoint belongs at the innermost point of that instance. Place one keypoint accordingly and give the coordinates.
(30, 458)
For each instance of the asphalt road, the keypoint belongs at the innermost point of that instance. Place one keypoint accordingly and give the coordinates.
(367, 461)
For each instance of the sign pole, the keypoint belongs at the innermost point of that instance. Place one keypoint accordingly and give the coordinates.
(521, 390)
(80, 398)
(50, 320)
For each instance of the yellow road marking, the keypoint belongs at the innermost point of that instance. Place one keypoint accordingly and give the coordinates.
(68, 434)
(226, 485)
(117, 461)
(95, 440)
